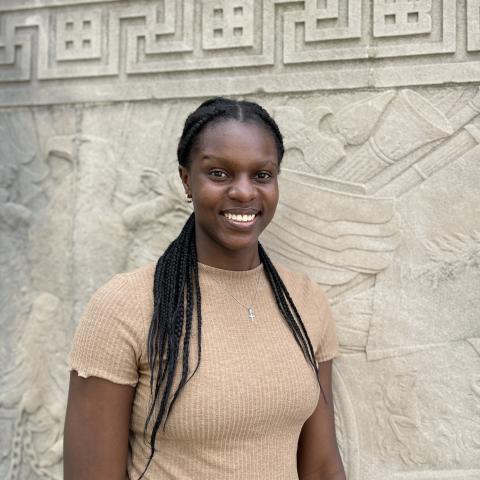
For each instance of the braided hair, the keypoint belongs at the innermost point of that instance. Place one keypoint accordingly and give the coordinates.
(176, 287)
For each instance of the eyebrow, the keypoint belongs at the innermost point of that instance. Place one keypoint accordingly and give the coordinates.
(262, 163)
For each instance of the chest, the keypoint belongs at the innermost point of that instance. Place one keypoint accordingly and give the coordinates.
(253, 379)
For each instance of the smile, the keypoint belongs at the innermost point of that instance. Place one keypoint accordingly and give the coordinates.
(245, 218)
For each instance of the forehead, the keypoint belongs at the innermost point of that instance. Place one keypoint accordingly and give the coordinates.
(234, 136)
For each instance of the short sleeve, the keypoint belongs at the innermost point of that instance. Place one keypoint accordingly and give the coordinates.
(106, 342)
(327, 348)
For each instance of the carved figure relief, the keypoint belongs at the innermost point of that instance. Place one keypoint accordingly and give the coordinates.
(411, 413)
(36, 389)
(15, 214)
(450, 256)
(155, 221)
(51, 236)
(62, 242)
(99, 240)
(16, 218)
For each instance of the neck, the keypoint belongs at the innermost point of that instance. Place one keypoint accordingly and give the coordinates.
(229, 260)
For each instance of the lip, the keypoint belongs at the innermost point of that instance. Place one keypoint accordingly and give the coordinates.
(240, 225)
(241, 211)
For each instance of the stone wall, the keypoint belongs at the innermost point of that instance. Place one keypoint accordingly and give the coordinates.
(379, 104)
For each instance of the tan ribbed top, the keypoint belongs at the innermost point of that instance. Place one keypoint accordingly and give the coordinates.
(241, 414)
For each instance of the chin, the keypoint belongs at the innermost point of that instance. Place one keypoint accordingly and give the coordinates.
(237, 244)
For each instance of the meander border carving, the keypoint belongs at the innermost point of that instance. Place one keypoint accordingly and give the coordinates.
(112, 50)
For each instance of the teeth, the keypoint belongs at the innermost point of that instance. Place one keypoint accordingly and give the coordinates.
(239, 218)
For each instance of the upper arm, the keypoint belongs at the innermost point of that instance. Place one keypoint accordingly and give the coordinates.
(318, 456)
(96, 429)
(104, 363)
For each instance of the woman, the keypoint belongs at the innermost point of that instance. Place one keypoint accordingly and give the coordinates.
(206, 365)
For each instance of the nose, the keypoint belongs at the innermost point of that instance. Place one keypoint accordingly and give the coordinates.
(242, 189)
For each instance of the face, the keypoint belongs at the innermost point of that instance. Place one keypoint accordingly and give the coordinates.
(232, 179)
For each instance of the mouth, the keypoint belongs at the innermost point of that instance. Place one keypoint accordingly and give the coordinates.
(238, 218)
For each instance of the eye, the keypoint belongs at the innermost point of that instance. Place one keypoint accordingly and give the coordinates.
(217, 174)
(263, 176)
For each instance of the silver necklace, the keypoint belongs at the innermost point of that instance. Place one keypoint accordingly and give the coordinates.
(249, 308)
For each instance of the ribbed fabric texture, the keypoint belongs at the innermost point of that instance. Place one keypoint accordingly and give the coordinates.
(241, 414)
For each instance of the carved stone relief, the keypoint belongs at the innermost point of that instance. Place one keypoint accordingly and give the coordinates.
(417, 299)
(36, 390)
(382, 43)
(354, 240)
(379, 197)
(413, 424)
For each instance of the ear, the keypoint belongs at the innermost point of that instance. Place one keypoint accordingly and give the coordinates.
(185, 177)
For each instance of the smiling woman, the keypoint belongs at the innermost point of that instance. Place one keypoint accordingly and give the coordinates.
(257, 402)
(231, 176)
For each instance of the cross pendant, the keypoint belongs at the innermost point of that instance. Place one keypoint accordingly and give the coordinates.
(251, 315)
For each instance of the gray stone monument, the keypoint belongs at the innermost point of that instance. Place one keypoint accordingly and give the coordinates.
(379, 103)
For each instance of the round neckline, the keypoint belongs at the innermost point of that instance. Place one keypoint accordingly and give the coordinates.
(202, 267)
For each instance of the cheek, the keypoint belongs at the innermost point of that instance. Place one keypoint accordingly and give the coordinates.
(274, 193)
(208, 198)
(271, 198)
(273, 202)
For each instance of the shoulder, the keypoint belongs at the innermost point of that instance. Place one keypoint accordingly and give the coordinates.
(110, 338)
(139, 283)
(128, 288)
(141, 277)
(301, 286)
(124, 303)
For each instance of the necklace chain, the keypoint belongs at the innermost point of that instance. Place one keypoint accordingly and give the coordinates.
(251, 313)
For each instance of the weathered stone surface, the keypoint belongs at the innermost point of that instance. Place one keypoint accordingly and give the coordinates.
(188, 49)
(427, 297)
(411, 416)
(380, 197)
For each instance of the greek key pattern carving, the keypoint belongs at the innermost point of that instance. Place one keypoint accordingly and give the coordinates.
(402, 18)
(61, 39)
(424, 27)
(473, 24)
(78, 35)
(12, 39)
(321, 21)
(227, 25)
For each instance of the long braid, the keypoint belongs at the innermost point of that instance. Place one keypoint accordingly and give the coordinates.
(176, 286)
(173, 282)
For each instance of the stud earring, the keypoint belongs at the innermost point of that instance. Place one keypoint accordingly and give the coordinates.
(189, 198)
